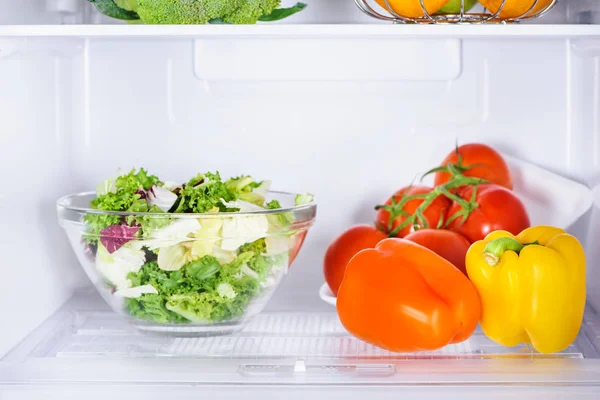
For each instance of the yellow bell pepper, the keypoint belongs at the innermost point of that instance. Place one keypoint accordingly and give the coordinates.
(531, 286)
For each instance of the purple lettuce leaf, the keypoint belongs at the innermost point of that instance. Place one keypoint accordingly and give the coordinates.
(115, 236)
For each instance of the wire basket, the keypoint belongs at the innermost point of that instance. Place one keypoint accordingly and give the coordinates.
(463, 12)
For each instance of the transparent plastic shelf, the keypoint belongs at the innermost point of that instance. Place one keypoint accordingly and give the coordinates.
(279, 335)
(85, 343)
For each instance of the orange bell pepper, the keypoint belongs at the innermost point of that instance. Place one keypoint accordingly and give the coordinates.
(403, 297)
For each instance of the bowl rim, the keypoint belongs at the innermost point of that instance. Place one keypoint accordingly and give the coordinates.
(63, 201)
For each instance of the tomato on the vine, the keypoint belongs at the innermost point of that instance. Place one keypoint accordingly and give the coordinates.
(497, 208)
(344, 247)
(486, 163)
(433, 216)
(447, 244)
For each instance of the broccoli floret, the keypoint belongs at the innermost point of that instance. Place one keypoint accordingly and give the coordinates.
(184, 11)
(203, 11)
(196, 11)
(250, 11)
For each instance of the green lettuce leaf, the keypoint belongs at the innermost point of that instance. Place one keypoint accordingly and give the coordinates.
(279, 220)
(203, 197)
(202, 290)
(203, 268)
(151, 307)
(302, 199)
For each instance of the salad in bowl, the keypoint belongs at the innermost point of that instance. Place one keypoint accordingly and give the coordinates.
(195, 258)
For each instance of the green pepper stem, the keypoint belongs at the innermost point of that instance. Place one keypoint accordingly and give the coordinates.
(495, 249)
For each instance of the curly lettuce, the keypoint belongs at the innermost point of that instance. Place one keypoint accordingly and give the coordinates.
(205, 193)
(203, 290)
(124, 193)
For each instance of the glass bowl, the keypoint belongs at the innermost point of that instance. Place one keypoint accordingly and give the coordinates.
(191, 274)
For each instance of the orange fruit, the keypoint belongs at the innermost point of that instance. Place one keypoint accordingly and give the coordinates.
(412, 8)
(514, 8)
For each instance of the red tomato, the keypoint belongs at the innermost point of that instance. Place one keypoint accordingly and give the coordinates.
(435, 213)
(298, 241)
(499, 209)
(344, 247)
(493, 167)
(447, 244)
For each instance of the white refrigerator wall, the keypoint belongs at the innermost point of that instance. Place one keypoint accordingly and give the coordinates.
(73, 110)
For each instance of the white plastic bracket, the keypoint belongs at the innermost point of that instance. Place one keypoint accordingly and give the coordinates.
(332, 59)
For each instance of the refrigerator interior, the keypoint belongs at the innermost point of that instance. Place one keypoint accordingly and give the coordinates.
(345, 108)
